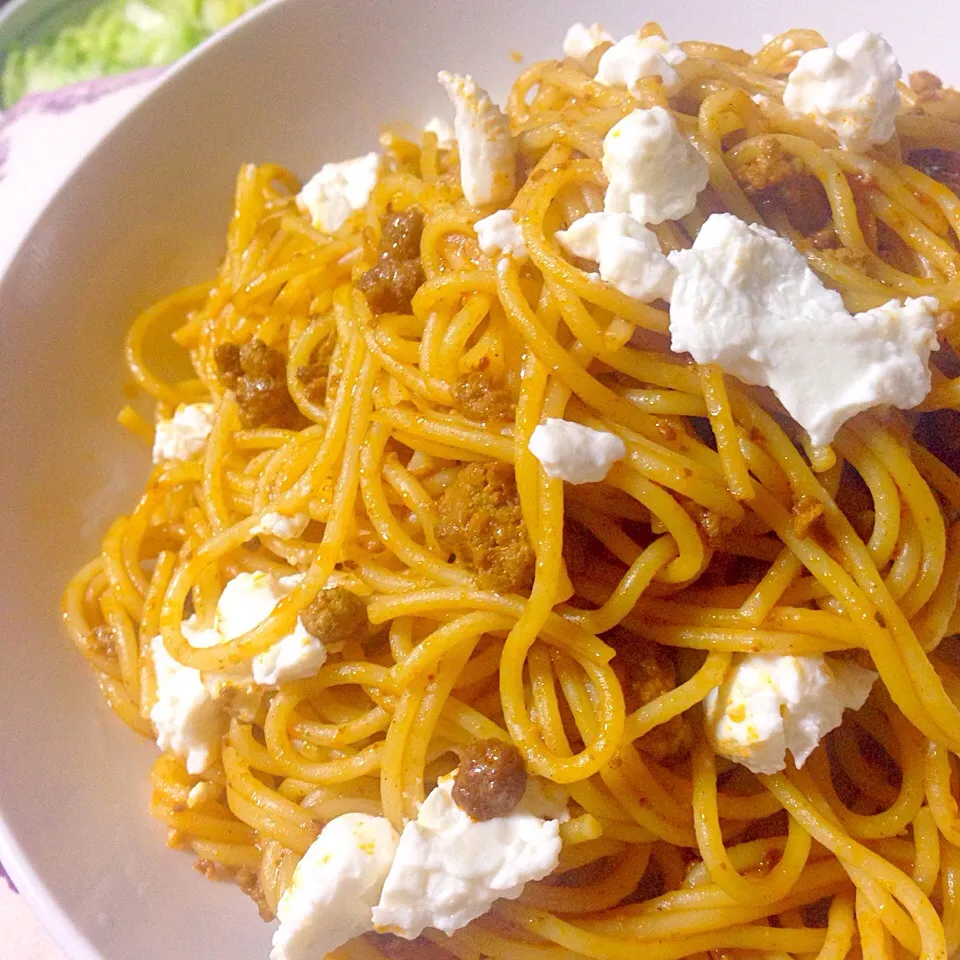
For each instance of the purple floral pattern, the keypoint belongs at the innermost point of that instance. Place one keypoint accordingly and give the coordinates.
(67, 99)
(4, 876)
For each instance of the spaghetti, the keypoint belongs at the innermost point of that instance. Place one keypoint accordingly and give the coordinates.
(721, 533)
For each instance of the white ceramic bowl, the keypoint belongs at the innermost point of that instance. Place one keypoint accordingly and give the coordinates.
(300, 82)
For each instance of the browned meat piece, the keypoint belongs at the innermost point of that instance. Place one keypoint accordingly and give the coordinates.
(249, 883)
(480, 399)
(942, 165)
(314, 376)
(264, 402)
(400, 236)
(647, 671)
(776, 180)
(491, 779)
(389, 285)
(208, 868)
(480, 521)
(771, 167)
(258, 376)
(927, 86)
(229, 367)
(259, 360)
(336, 615)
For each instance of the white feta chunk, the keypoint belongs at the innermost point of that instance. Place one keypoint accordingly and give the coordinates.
(633, 58)
(574, 453)
(443, 131)
(247, 600)
(488, 159)
(745, 299)
(202, 792)
(185, 434)
(334, 887)
(277, 525)
(500, 233)
(188, 721)
(768, 705)
(450, 868)
(297, 656)
(655, 173)
(852, 90)
(627, 254)
(337, 190)
(582, 40)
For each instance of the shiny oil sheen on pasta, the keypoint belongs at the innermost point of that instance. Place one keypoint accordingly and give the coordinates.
(720, 663)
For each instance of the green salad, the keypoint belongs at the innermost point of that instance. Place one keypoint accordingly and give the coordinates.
(116, 36)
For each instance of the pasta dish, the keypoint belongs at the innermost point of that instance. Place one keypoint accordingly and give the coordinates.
(552, 547)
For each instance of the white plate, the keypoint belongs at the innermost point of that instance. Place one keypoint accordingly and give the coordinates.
(300, 82)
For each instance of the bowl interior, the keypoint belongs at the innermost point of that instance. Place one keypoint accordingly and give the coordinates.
(299, 82)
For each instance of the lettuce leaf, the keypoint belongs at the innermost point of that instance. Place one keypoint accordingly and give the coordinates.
(116, 36)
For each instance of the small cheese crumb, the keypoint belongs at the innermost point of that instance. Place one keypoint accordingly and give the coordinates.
(334, 887)
(450, 868)
(655, 173)
(852, 90)
(746, 300)
(628, 255)
(633, 59)
(277, 525)
(768, 705)
(185, 434)
(582, 40)
(573, 452)
(202, 792)
(500, 233)
(338, 190)
(488, 161)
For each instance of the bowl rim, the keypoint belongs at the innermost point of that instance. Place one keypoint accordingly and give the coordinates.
(28, 882)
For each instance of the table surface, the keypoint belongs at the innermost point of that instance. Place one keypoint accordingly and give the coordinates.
(41, 140)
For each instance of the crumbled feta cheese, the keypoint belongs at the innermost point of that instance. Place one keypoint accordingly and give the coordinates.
(185, 434)
(247, 600)
(582, 40)
(655, 173)
(189, 723)
(627, 254)
(500, 233)
(334, 887)
(487, 154)
(202, 792)
(573, 452)
(297, 655)
(852, 90)
(769, 704)
(337, 190)
(632, 59)
(443, 131)
(450, 868)
(277, 525)
(745, 299)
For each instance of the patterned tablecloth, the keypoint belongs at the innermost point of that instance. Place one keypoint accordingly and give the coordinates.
(41, 140)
